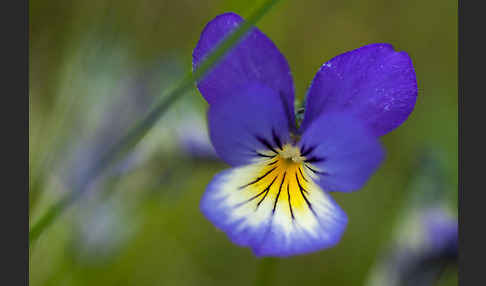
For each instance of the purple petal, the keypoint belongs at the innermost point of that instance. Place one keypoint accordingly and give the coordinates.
(374, 82)
(250, 124)
(254, 59)
(341, 153)
(267, 224)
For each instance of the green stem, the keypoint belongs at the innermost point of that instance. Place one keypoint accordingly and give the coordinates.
(266, 271)
(135, 134)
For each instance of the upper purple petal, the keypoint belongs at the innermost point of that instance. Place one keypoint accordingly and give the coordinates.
(254, 59)
(250, 122)
(374, 82)
(340, 152)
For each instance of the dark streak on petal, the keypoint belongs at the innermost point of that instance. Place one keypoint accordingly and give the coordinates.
(316, 172)
(258, 179)
(315, 160)
(263, 155)
(278, 194)
(290, 204)
(302, 190)
(306, 151)
(266, 144)
(300, 186)
(267, 189)
(300, 171)
(257, 195)
(251, 199)
(276, 139)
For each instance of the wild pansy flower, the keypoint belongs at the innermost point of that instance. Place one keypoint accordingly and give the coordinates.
(275, 199)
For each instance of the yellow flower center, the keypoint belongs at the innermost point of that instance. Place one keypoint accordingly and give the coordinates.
(291, 153)
(284, 179)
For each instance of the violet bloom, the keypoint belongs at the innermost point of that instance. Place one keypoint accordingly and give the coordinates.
(275, 199)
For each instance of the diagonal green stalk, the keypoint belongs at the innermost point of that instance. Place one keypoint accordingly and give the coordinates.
(135, 134)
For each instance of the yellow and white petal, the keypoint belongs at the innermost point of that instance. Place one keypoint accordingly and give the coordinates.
(274, 207)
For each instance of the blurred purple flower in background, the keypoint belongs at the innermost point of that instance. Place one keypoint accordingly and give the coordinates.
(425, 240)
(441, 228)
(275, 199)
(193, 137)
(116, 101)
(103, 228)
(426, 243)
(128, 98)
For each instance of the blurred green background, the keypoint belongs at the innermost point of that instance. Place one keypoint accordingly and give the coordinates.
(95, 68)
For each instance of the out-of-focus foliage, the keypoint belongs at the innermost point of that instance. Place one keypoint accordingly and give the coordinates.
(97, 66)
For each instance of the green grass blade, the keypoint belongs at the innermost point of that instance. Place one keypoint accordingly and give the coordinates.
(135, 134)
